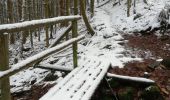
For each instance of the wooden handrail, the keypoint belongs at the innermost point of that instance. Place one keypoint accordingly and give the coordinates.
(6, 29)
(31, 60)
(16, 27)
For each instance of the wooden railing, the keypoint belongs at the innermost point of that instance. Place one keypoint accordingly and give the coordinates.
(7, 29)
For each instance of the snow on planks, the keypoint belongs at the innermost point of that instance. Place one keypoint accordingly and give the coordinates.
(81, 83)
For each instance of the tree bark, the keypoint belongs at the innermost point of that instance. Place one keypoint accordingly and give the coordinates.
(128, 7)
(83, 11)
(92, 8)
(10, 19)
(4, 65)
(46, 15)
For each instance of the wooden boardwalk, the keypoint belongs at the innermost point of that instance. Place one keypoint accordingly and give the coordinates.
(81, 83)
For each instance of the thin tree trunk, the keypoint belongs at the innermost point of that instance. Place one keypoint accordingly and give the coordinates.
(46, 15)
(67, 14)
(10, 19)
(134, 6)
(128, 7)
(83, 11)
(92, 8)
(23, 33)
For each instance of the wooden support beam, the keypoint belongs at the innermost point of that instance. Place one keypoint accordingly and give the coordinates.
(75, 34)
(57, 40)
(4, 65)
(61, 36)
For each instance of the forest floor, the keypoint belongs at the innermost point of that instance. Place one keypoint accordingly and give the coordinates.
(134, 52)
(147, 47)
(150, 48)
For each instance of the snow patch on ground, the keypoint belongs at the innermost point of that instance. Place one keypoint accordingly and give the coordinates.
(105, 43)
(149, 14)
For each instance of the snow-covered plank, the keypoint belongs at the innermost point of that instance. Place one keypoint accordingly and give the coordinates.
(57, 87)
(89, 88)
(33, 59)
(80, 85)
(77, 81)
(35, 23)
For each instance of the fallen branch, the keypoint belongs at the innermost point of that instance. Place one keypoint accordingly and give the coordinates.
(133, 79)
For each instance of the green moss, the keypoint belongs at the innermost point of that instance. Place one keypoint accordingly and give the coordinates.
(151, 93)
(127, 94)
(107, 98)
(166, 63)
(114, 83)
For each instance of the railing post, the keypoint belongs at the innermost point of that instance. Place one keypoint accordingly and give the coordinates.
(4, 65)
(74, 34)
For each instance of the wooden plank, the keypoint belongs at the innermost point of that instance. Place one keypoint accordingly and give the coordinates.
(4, 65)
(67, 79)
(80, 85)
(90, 90)
(31, 60)
(81, 80)
(16, 27)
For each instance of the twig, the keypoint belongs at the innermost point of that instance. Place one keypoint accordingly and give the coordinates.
(111, 89)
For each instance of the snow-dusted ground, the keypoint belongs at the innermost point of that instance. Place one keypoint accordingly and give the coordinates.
(105, 43)
(110, 23)
(149, 14)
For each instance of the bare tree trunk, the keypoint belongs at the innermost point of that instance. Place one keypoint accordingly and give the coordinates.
(10, 19)
(128, 7)
(1, 15)
(67, 14)
(134, 6)
(30, 17)
(62, 11)
(20, 9)
(23, 33)
(46, 15)
(92, 8)
(83, 11)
